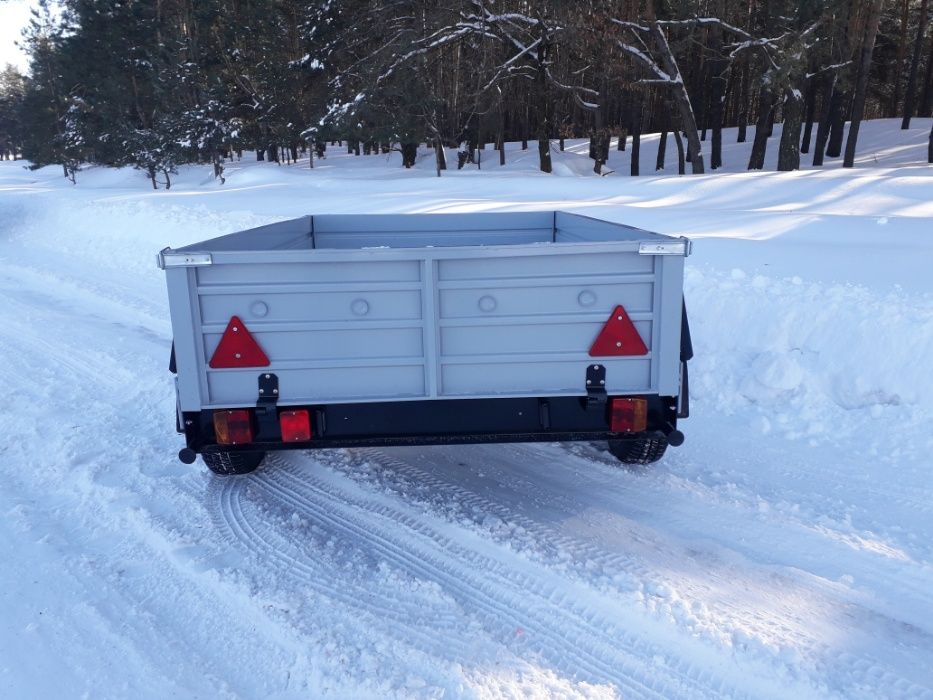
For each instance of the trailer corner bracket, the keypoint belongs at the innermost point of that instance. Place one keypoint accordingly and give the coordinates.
(169, 258)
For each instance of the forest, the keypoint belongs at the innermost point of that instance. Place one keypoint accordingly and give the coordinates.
(155, 84)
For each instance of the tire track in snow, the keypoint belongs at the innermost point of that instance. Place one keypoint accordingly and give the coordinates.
(795, 552)
(543, 540)
(587, 557)
(264, 539)
(557, 625)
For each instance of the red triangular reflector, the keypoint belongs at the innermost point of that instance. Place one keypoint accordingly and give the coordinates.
(238, 348)
(618, 337)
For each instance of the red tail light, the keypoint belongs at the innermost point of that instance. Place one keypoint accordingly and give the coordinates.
(627, 415)
(233, 427)
(295, 425)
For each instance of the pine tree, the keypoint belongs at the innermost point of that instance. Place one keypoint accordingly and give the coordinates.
(12, 124)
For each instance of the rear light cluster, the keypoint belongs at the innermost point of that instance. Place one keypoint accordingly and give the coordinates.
(235, 427)
(295, 425)
(628, 415)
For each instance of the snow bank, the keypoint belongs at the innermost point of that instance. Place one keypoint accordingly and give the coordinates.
(804, 350)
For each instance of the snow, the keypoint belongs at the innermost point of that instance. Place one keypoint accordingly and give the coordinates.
(785, 550)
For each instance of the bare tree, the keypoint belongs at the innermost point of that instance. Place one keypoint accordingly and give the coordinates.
(858, 104)
(911, 94)
(649, 48)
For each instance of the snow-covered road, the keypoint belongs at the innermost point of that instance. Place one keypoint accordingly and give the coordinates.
(786, 550)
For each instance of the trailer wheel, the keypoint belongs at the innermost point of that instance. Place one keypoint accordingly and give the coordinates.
(639, 450)
(231, 463)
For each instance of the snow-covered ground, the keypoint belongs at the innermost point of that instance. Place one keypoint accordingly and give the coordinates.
(786, 550)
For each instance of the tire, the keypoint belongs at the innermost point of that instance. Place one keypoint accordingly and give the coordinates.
(232, 463)
(639, 450)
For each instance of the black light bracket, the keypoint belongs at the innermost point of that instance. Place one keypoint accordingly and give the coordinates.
(596, 396)
(266, 412)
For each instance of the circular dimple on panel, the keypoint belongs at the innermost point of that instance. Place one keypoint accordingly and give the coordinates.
(360, 307)
(487, 303)
(586, 298)
(259, 309)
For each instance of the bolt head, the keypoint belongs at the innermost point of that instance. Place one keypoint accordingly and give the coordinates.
(618, 318)
(618, 344)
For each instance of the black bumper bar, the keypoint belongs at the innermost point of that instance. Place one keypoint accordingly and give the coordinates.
(442, 422)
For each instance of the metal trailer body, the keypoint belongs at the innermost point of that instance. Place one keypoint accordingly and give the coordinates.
(428, 327)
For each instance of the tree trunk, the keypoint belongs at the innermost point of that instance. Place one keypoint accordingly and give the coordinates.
(858, 106)
(926, 101)
(744, 101)
(636, 134)
(822, 129)
(910, 95)
(219, 168)
(718, 84)
(500, 129)
(681, 166)
(409, 153)
(596, 140)
(930, 147)
(760, 145)
(811, 111)
(152, 177)
(544, 104)
(623, 118)
(837, 122)
(680, 98)
(662, 150)
(899, 60)
(440, 157)
(544, 150)
(260, 154)
(789, 149)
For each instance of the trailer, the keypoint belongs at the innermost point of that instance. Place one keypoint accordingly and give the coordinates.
(379, 330)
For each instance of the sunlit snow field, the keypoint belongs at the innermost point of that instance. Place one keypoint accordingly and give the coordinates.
(785, 550)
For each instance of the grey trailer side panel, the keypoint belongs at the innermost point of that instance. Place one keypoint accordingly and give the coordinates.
(438, 230)
(180, 282)
(670, 303)
(293, 233)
